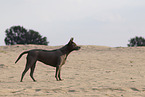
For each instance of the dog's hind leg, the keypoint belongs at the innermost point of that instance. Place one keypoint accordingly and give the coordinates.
(26, 69)
(30, 63)
(32, 71)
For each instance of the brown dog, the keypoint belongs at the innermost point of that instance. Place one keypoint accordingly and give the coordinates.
(55, 58)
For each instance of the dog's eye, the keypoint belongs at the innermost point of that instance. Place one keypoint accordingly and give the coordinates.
(73, 44)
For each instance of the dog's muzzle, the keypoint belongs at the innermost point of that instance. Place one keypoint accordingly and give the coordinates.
(77, 48)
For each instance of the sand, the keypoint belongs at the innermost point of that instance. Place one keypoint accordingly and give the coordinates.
(94, 71)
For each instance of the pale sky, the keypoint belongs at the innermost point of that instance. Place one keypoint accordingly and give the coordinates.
(91, 22)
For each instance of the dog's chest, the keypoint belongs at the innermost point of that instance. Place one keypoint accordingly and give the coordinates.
(63, 59)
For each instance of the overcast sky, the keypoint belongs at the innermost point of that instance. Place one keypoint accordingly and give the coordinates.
(91, 22)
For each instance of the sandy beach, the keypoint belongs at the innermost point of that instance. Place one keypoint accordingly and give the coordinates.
(93, 71)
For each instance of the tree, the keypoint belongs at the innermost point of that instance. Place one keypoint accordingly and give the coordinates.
(37, 39)
(19, 35)
(137, 41)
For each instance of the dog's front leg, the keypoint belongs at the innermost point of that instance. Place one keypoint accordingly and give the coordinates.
(57, 73)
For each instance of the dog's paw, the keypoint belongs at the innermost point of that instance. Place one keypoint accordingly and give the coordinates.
(61, 80)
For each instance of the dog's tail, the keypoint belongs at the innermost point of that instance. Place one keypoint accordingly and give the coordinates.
(21, 56)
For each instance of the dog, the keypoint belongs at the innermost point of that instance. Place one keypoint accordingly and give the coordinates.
(55, 58)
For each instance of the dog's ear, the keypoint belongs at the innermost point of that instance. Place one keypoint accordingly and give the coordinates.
(71, 40)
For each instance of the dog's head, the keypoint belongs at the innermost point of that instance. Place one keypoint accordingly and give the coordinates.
(72, 46)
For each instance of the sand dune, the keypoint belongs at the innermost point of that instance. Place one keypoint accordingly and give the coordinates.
(94, 71)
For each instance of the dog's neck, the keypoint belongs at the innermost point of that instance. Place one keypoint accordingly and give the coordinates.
(65, 50)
